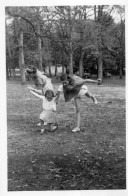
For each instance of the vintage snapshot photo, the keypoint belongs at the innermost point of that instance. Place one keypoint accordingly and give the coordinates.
(65, 78)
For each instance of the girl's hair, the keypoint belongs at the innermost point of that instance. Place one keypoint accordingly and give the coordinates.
(49, 92)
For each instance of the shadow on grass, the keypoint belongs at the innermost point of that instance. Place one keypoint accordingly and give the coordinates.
(66, 172)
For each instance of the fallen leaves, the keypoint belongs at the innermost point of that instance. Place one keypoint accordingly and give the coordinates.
(62, 160)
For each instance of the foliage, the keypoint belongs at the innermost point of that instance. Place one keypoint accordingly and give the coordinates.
(67, 30)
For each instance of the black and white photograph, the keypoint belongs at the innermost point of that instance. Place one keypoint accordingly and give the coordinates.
(65, 80)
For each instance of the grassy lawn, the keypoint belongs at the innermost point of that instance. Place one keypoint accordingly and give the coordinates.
(93, 159)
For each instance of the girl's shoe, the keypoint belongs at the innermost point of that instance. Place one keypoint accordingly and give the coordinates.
(76, 130)
(42, 131)
(55, 127)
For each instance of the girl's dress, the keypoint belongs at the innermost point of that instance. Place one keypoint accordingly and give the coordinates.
(49, 111)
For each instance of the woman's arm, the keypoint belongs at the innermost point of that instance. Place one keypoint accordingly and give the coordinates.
(57, 96)
(35, 90)
(39, 96)
(90, 81)
(60, 89)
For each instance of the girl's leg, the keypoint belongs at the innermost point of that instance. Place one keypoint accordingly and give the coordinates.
(52, 127)
(77, 105)
(88, 94)
(42, 126)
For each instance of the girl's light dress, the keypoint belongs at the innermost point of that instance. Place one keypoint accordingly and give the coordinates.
(49, 111)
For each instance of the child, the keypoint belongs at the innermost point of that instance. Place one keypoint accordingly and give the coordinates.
(73, 87)
(48, 116)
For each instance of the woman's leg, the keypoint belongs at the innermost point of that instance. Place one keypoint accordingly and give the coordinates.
(88, 94)
(77, 105)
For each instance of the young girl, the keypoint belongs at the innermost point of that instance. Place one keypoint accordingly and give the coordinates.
(48, 116)
(73, 87)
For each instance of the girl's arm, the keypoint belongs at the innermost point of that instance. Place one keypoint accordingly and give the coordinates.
(39, 96)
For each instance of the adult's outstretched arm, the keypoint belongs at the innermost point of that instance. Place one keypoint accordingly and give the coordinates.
(90, 81)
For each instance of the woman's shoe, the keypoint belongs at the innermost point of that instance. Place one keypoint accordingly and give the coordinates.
(76, 130)
(42, 131)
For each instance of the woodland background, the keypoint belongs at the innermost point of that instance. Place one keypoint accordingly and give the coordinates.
(72, 37)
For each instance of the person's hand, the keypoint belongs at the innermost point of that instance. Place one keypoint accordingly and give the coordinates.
(65, 83)
(30, 88)
(57, 93)
(33, 89)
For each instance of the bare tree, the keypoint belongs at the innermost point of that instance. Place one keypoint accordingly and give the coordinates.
(21, 58)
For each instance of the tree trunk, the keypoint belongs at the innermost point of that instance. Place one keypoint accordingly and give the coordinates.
(50, 73)
(9, 53)
(95, 12)
(99, 42)
(39, 48)
(81, 53)
(81, 66)
(121, 67)
(100, 57)
(13, 73)
(7, 73)
(70, 59)
(70, 43)
(62, 69)
(55, 70)
(21, 59)
(81, 58)
(121, 52)
(100, 67)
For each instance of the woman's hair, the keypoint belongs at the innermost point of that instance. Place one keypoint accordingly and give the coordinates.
(63, 77)
(49, 92)
(31, 70)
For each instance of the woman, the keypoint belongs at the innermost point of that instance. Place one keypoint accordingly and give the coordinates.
(73, 87)
(41, 81)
